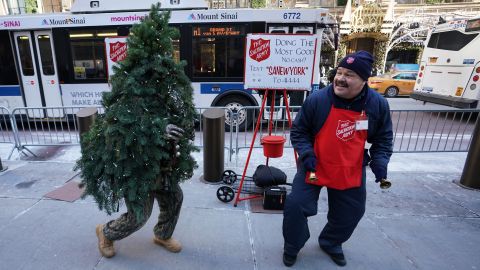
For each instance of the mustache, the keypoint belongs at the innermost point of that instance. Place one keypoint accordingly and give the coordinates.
(341, 83)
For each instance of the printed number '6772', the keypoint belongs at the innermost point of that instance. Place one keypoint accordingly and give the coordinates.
(291, 15)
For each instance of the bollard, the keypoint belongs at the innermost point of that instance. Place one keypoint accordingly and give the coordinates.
(85, 118)
(213, 144)
(2, 169)
(471, 171)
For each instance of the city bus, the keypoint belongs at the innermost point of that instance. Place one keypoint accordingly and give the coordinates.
(450, 65)
(51, 60)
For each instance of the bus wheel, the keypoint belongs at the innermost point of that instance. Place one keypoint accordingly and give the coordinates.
(391, 91)
(238, 116)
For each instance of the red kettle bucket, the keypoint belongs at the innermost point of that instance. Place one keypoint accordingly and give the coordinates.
(273, 146)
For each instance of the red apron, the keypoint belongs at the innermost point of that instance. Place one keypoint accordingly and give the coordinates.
(339, 151)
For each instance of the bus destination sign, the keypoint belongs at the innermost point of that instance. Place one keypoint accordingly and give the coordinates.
(207, 31)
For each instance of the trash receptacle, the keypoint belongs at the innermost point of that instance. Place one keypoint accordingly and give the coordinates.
(85, 118)
(213, 144)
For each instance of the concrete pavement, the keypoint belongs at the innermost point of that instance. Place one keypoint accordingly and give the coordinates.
(423, 222)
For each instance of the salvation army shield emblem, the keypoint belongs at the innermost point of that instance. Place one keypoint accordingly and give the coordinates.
(259, 49)
(345, 130)
(118, 51)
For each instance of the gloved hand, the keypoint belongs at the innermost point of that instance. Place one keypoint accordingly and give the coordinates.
(380, 171)
(174, 133)
(310, 162)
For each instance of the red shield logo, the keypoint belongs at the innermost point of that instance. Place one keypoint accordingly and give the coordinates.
(118, 51)
(345, 130)
(259, 49)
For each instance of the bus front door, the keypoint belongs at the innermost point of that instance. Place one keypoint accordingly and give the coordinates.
(38, 72)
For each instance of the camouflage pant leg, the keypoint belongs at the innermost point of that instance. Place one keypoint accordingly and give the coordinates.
(127, 223)
(170, 203)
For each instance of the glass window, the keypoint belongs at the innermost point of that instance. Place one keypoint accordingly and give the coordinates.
(46, 54)
(176, 50)
(25, 55)
(432, 43)
(472, 25)
(405, 76)
(88, 53)
(411, 76)
(450, 40)
(8, 72)
(218, 51)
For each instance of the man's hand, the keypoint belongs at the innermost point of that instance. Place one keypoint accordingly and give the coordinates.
(379, 171)
(173, 132)
(310, 162)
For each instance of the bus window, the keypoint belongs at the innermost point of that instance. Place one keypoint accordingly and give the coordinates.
(46, 54)
(88, 53)
(450, 40)
(8, 74)
(25, 55)
(432, 43)
(218, 51)
(176, 50)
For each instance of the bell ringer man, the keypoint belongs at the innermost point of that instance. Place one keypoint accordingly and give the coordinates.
(329, 134)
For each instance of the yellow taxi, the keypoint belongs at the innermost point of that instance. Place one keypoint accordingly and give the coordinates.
(392, 85)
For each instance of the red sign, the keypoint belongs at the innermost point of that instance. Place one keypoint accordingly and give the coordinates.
(118, 51)
(345, 130)
(259, 49)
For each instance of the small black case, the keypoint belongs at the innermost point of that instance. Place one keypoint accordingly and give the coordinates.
(274, 198)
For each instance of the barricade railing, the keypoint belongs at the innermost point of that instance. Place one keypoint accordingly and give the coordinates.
(414, 130)
(433, 130)
(45, 126)
(7, 131)
(57, 126)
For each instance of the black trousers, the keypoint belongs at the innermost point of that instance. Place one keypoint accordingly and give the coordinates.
(345, 209)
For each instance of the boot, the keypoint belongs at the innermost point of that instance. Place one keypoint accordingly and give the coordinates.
(105, 246)
(169, 244)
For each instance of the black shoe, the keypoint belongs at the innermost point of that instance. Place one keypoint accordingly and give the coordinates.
(289, 260)
(337, 258)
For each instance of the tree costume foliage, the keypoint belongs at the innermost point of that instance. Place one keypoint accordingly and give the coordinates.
(126, 153)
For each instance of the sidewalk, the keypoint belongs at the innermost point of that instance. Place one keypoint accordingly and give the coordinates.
(423, 222)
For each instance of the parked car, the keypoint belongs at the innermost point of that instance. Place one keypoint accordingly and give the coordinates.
(392, 85)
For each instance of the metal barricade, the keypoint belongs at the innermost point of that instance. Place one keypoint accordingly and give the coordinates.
(45, 126)
(414, 130)
(7, 130)
(243, 137)
(433, 130)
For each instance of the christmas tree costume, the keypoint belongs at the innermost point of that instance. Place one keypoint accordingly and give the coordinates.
(139, 150)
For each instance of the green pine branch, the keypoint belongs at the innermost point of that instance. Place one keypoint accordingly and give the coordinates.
(126, 154)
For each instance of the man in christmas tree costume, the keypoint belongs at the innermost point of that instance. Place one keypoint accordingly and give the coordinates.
(139, 150)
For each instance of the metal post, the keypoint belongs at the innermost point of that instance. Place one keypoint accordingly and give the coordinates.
(213, 144)
(471, 171)
(85, 118)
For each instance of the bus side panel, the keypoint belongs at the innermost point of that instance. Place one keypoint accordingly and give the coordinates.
(10, 93)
